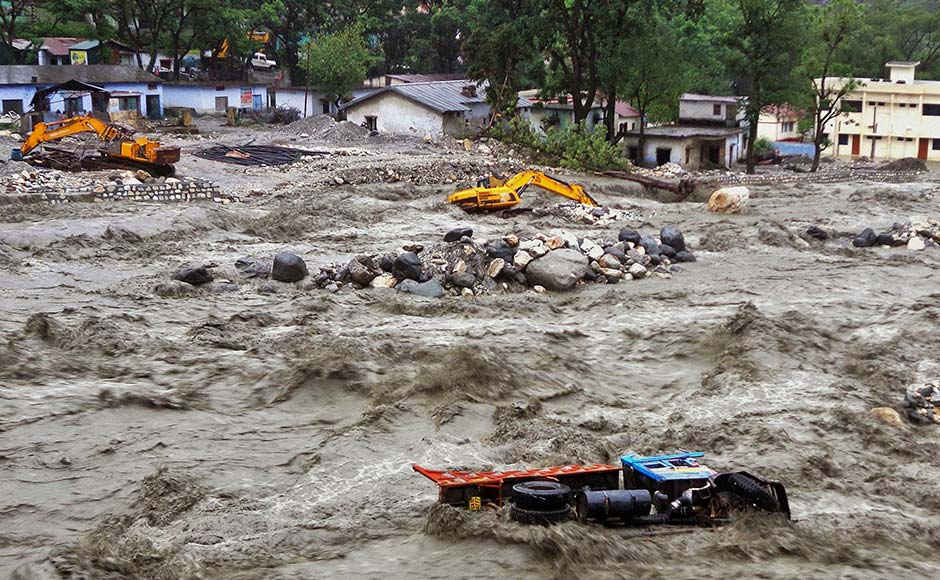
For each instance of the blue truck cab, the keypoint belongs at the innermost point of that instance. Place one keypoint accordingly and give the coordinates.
(669, 474)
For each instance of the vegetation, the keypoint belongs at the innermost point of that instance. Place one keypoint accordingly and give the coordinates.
(573, 147)
(646, 52)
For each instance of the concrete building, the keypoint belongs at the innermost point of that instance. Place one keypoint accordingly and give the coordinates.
(215, 97)
(404, 79)
(888, 118)
(559, 112)
(130, 88)
(434, 108)
(779, 123)
(627, 118)
(709, 134)
(55, 50)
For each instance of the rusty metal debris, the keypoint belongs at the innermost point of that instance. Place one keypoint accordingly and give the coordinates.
(255, 154)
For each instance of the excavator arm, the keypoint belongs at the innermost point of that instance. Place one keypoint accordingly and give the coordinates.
(501, 195)
(45, 132)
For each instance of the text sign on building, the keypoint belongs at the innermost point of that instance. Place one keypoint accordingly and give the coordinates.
(78, 56)
(246, 96)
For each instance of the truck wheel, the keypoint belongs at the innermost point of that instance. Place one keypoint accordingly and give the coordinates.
(538, 517)
(747, 488)
(541, 495)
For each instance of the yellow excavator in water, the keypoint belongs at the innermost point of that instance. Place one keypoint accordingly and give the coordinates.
(495, 194)
(119, 143)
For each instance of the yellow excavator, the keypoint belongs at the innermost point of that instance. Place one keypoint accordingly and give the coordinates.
(495, 194)
(119, 144)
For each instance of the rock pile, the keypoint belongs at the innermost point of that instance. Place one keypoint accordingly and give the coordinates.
(465, 171)
(918, 233)
(557, 261)
(666, 170)
(922, 403)
(584, 214)
(325, 128)
(32, 180)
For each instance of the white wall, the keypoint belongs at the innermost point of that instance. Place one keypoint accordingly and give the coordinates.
(678, 147)
(201, 98)
(398, 115)
(702, 110)
(294, 98)
(24, 93)
(57, 100)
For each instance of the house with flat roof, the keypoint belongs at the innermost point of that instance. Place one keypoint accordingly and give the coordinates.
(887, 118)
(779, 123)
(433, 108)
(130, 89)
(710, 133)
(559, 111)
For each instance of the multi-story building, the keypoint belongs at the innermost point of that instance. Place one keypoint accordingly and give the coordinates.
(888, 118)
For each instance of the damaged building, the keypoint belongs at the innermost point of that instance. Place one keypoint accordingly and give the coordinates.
(710, 133)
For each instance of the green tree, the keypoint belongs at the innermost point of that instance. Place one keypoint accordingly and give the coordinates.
(337, 63)
(763, 40)
(834, 37)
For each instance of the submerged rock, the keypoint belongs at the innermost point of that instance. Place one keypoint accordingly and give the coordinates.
(866, 239)
(288, 267)
(408, 266)
(671, 236)
(922, 403)
(195, 276)
(430, 289)
(455, 234)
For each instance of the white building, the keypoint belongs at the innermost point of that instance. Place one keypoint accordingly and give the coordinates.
(434, 108)
(559, 111)
(709, 134)
(888, 118)
(779, 123)
(215, 97)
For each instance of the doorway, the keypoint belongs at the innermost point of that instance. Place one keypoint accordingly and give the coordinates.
(153, 107)
(856, 144)
(221, 104)
(256, 102)
(922, 148)
(663, 155)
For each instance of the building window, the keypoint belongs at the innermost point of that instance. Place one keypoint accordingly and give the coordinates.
(851, 106)
(128, 104)
(936, 145)
(73, 105)
(15, 105)
(843, 139)
(716, 110)
(663, 155)
(152, 87)
(931, 110)
(220, 88)
(372, 122)
(788, 127)
(325, 107)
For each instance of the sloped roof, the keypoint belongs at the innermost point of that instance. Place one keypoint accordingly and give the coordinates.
(85, 45)
(781, 111)
(441, 96)
(625, 109)
(429, 78)
(59, 45)
(96, 74)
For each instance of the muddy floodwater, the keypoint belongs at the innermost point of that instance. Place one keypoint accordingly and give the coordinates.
(268, 430)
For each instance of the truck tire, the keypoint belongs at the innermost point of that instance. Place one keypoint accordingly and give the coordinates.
(541, 495)
(749, 489)
(538, 517)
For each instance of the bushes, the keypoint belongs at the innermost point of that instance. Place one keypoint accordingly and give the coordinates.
(763, 146)
(571, 147)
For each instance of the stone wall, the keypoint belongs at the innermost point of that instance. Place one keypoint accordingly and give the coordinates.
(170, 189)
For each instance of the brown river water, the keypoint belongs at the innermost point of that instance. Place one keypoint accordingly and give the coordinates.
(268, 432)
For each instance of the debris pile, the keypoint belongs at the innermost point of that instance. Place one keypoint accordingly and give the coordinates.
(435, 172)
(918, 233)
(39, 181)
(922, 403)
(665, 170)
(325, 128)
(583, 214)
(468, 267)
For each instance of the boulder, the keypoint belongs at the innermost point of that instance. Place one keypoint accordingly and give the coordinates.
(195, 276)
(671, 236)
(916, 243)
(590, 248)
(288, 267)
(386, 262)
(684, 257)
(610, 261)
(463, 280)
(630, 236)
(430, 289)
(667, 251)
(638, 271)
(383, 281)
(521, 259)
(501, 249)
(174, 289)
(650, 244)
(866, 239)
(408, 266)
(558, 270)
(817, 233)
(536, 248)
(455, 234)
(495, 267)
(360, 273)
(922, 403)
(511, 240)
(890, 239)
(729, 199)
(555, 242)
(616, 252)
(888, 416)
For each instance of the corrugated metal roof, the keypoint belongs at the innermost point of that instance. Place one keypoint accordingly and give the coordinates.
(24, 74)
(418, 78)
(441, 96)
(59, 45)
(85, 45)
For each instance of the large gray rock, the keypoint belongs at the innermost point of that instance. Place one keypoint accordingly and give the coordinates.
(408, 266)
(431, 289)
(671, 236)
(558, 270)
(252, 268)
(288, 267)
(195, 276)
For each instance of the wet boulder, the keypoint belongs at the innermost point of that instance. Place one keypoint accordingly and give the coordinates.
(672, 237)
(558, 270)
(455, 234)
(463, 280)
(194, 276)
(817, 233)
(922, 403)
(360, 273)
(650, 244)
(630, 236)
(288, 267)
(728, 199)
(667, 251)
(408, 266)
(502, 249)
(685, 256)
(866, 239)
(889, 239)
(430, 289)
